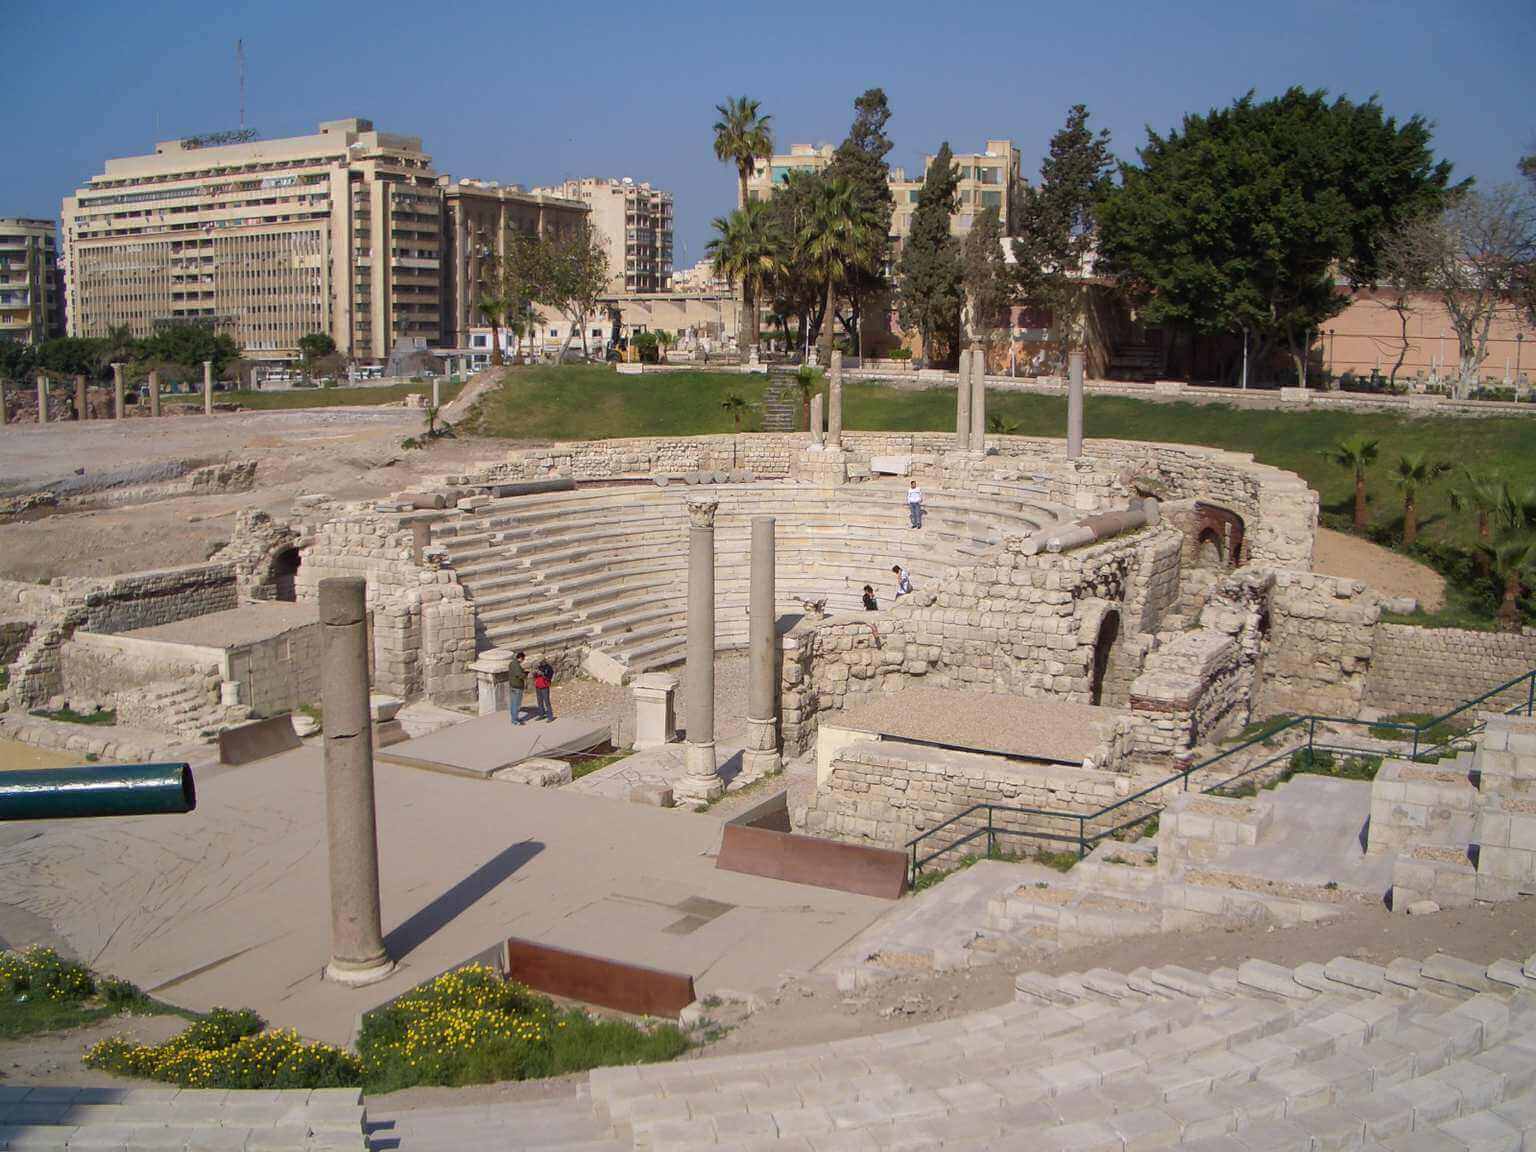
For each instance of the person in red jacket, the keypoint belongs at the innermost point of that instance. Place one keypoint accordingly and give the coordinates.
(543, 677)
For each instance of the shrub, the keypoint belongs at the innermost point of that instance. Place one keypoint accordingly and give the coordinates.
(229, 1049)
(41, 973)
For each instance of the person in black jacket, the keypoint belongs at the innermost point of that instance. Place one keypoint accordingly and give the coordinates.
(870, 603)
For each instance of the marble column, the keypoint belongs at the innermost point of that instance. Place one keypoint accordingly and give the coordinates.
(701, 782)
(358, 955)
(207, 387)
(82, 399)
(42, 398)
(437, 392)
(5, 411)
(835, 402)
(154, 393)
(963, 403)
(762, 751)
(1074, 405)
(117, 391)
(978, 400)
(817, 423)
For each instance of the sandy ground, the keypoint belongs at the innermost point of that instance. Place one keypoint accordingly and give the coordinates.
(1339, 554)
(15, 756)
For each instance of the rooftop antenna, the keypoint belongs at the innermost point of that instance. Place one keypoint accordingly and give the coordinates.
(240, 64)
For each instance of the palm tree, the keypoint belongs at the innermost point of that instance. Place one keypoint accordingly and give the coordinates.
(746, 249)
(1512, 560)
(1356, 453)
(742, 136)
(836, 240)
(807, 383)
(1002, 425)
(1411, 471)
(494, 306)
(736, 406)
(664, 340)
(1482, 493)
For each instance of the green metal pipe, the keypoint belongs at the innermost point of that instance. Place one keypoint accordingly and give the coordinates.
(98, 790)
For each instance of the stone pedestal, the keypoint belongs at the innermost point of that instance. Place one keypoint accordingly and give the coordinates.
(702, 782)
(117, 391)
(82, 399)
(154, 393)
(493, 680)
(358, 955)
(817, 424)
(655, 709)
(42, 398)
(963, 404)
(762, 747)
(835, 402)
(207, 387)
(978, 400)
(437, 391)
(1074, 405)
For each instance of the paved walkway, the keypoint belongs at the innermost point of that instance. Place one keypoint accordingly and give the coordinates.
(228, 905)
(487, 744)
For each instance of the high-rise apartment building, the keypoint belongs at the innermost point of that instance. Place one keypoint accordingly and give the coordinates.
(31, 303)
(635, 223)
(986, 180)
(269, 240)
(477, 217)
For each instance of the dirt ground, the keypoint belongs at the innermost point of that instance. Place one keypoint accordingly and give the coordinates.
(1339, 554)
(350, 454)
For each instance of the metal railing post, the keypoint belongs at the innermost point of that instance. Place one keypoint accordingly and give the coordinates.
(991, 836)
(1082, 840)
(1415, 755)
(1530, 695)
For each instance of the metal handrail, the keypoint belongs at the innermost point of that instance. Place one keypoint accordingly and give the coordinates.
(1084, 839)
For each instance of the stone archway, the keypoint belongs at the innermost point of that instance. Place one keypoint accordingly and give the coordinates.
(1219, 536)
(1105, 653)
(1210, 551)
(284, 574)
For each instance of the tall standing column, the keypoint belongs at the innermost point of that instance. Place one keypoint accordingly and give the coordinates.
(154, 393)
(5, 412)
(82, 399)
(835, 402)
(207, 387)
(358, 955)
(963, 403)
(1074, 405)
(978, 400)
(817, 423)
(42, 398)
(117, 391)
(762, 752)
(702, 782)
(437, 392)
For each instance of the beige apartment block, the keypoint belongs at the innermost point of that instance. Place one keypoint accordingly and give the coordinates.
(635, 224)
(478, 215)
(986, 180)
(267, 240)
(31, 302)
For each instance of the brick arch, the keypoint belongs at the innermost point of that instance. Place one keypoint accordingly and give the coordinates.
(1223, 527)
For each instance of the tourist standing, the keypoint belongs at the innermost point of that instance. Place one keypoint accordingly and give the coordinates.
(543, 677)
(517, 680)
(915, 505)
(903, 581)
(870, 603)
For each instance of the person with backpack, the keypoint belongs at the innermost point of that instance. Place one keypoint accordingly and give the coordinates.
(543, 677)
(870, 603)
(517, 680)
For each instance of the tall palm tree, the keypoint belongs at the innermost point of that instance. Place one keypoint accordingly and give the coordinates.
(746, 249)
(1357, 454)
(1513, 561)
(742, 136)
(1411, 471)
(836, 241)
(1481, 493)
(736, 406)
(494, 306)
(664, 340)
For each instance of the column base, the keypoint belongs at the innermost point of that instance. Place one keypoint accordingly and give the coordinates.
(761, 763)
(761, 756)
(702, 784)
(354, 975)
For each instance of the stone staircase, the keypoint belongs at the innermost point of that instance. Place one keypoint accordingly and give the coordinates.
(167, 1119)
(606, 568)
(781, 408)
(1410, 1056)
(189, 707)
(1462, 830)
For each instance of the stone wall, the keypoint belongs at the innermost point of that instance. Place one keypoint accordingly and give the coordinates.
(279, 673)
(252, 549)
(1429, 669)
(1323, 632)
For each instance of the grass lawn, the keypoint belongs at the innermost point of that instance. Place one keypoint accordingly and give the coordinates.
(589, 402)
(316, 397)
(42, 992)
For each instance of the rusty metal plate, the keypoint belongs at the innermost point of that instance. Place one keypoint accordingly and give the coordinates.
(809, 860)
(257, 740)
(597, 980)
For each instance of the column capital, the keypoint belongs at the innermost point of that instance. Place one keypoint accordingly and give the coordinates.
(701, 512)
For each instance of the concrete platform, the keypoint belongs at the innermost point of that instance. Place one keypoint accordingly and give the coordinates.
(1033, 727)
(232, 627)
(229, 904)
(487, 744)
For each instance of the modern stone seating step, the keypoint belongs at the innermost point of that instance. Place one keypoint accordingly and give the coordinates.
(537, 642)
(529, 614)
(601, 606)
(658, 652)
(1340, 1055)
(652, 618)
(566, 1126)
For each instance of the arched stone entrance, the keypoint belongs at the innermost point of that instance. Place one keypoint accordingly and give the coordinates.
(1104, 655)
(285, 570)
(1219, 534)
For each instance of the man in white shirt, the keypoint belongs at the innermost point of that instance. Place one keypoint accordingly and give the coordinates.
(915, 505)
(903, 581)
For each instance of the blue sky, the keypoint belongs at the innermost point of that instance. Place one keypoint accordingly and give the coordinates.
(535, 92)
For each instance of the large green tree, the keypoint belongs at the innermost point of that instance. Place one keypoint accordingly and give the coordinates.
(861, 160)
(836, 242)
(1056, 225)
(742, 137)
(986, 275)
(1241, 219)
(931, 278)
(746, 249)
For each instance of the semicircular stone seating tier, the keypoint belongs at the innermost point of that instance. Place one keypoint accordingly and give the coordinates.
(607, 567)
